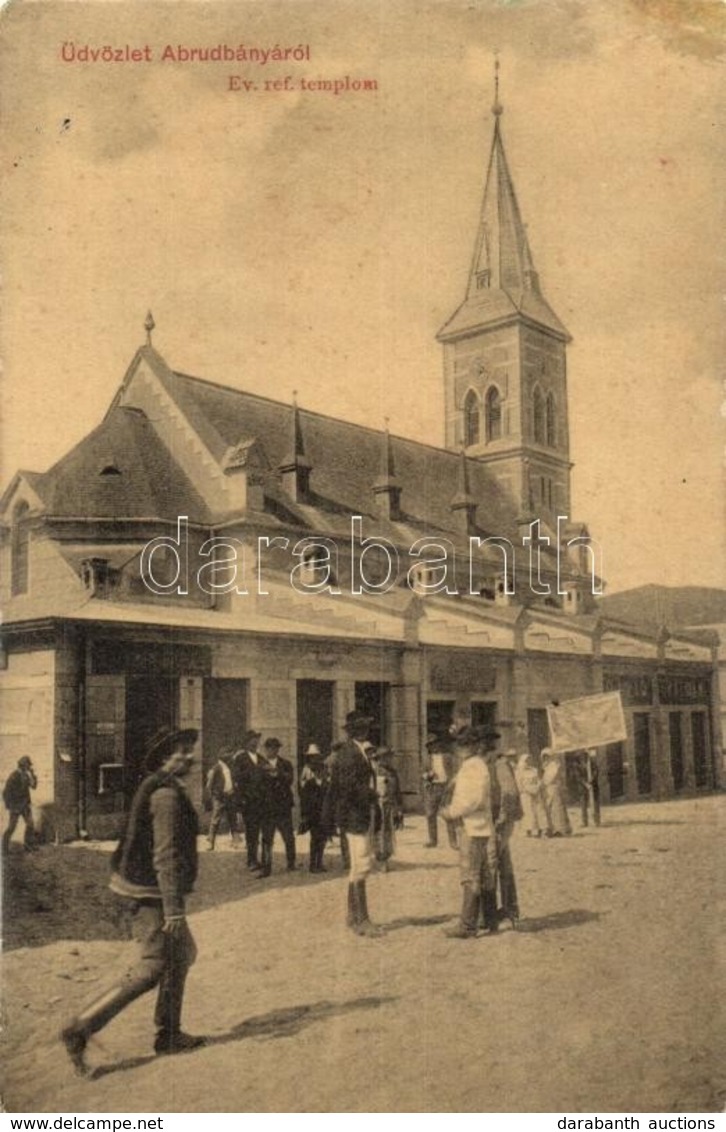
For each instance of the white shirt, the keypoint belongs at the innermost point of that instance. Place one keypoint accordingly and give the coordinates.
(472, 798)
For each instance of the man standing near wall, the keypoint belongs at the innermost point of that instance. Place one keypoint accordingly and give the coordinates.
(277, 814)
(350, 806)
(438, 773)
(248, 771)
(16, 796)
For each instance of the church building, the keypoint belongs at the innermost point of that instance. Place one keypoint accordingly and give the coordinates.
(213, 558)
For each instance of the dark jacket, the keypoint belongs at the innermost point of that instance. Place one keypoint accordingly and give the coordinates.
(250, 781)
(16, 793)
(279, 786)
(156, 858)
(313, 786)
(351, 796)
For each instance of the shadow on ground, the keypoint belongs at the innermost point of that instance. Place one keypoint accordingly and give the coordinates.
(283, 1023)
(571, 918)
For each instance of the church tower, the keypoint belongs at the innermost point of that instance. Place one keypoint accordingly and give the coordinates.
(504, 357)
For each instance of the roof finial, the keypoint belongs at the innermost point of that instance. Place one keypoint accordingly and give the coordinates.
(149, 325)
(497, 108)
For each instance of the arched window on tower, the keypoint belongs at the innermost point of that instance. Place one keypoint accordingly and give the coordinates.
(538, 414)
(550, 421)
(19, 543)
(471, 419)
(493, 408)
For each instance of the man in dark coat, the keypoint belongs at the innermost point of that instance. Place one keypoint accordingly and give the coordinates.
(248, 771)
(588, 786)
(16, 796)
(278, 806)
(350, 806)
(154, 868)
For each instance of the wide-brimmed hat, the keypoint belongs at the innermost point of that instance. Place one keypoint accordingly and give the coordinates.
(356, 719)
(251, 734)
(313, 749)
(165, 741)
(272, 744)
(25, 761)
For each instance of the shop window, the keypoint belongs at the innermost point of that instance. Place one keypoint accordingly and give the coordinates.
(641, 739)
(700, 748)
(675, 733)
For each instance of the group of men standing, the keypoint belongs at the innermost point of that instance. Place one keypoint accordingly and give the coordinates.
(257, 785)
(469, 783)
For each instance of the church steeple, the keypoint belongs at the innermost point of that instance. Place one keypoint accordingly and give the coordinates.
(504, 353)
(503, 282)
(502, 257)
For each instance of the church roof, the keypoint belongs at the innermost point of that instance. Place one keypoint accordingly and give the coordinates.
(503, 283)
(345, 459)
(121, 470)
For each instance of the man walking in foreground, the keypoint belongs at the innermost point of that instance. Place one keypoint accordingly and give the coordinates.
(350, 806)
(154, 869)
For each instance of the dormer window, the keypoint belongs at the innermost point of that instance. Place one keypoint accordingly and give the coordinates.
(316, 569)
(471, 419)
(19, 550)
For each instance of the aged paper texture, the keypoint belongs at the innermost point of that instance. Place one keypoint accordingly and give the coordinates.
(449, 271)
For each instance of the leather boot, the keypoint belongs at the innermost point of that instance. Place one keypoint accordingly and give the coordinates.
(363, 925)
(76, 1033)
(352, 913)
(433, 832)
(466, 928)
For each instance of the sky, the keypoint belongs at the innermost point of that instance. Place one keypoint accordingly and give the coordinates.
(297, 240)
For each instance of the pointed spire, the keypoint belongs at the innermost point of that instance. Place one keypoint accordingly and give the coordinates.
(464, 503)
(502, 257)
(296, 467)
(387, 487)
(149, 326)
(497, 108)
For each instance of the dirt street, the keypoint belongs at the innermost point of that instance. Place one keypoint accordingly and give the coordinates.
(610, 997)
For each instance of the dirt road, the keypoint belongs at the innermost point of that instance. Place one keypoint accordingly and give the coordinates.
(610, 997)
